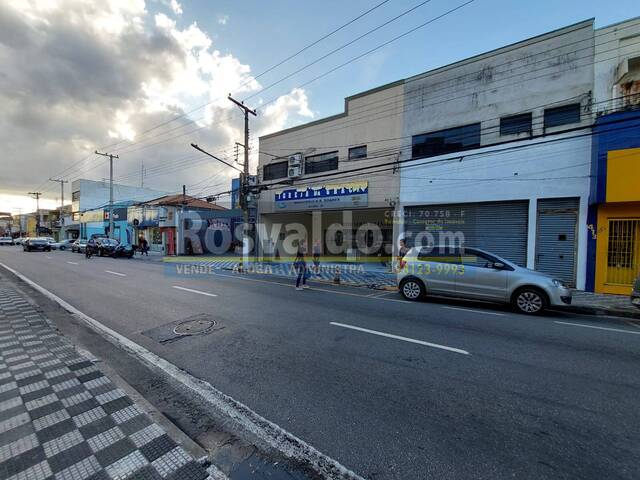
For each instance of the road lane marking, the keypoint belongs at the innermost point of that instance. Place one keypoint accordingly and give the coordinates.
(398, 337)
(598, 328)
(270, 433)
(72, 263)
(475, 311)
(115, 273)
(195, 291)
(47, 256)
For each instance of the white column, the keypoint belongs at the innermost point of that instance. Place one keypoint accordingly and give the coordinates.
(398, 228)
(532, 233)
(581, 254)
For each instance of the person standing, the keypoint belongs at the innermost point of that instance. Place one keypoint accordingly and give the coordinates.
(300, 265)
(402, 251)
(317, 250)
(145, 247)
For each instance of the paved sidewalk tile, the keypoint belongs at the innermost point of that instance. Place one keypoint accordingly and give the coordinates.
(62, 419)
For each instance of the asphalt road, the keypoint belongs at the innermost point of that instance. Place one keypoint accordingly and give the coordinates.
(391, 389)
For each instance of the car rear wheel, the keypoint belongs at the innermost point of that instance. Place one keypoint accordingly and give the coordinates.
(529, 301)
(412, 289)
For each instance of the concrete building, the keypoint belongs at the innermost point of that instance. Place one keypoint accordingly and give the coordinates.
(158, 220)
(90, 200)
(319, 174)
(498, 150)
(90, 194)
(614, 213)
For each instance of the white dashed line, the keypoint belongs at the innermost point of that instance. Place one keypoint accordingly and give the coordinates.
(72, 263)
(475, 311)
(620, 330)
(115, 273)
(398, 337)
(195, 291)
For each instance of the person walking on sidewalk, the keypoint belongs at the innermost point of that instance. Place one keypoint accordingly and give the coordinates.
(300, 265)
(144, 246)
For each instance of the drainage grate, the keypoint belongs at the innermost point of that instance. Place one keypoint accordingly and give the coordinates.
(200, 324)
(194, 327)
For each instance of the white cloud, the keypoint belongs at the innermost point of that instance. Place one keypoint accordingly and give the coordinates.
(78, 75)
(176, 7)
(223, 19)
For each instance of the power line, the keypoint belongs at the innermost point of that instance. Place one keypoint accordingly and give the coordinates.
(264, 72)
(399, 164)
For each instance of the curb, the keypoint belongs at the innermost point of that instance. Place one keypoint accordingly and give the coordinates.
(599, 311)
(239, 415)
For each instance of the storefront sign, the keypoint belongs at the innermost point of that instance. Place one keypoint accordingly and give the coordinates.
(330, 195)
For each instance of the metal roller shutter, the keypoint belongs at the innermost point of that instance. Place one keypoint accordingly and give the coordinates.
(498, 227)
(556, 238)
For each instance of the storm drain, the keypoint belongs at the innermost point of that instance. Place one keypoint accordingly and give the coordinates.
(200, 324)
(194, 327)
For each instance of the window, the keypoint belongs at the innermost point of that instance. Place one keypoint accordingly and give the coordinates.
(358, 152)
(475, 259)
(275, 170)
(623, 251)
(75, 196)
(440, 255)
(515, 124)
(563, 115)
(446, 141)
(321, 163)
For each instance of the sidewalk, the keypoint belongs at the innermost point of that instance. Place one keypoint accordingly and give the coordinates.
(62, 418)
(600, 304)
(377, 276)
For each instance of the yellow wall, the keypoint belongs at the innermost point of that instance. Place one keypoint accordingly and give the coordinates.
(31, 227)
(623, 175)
(606, 212)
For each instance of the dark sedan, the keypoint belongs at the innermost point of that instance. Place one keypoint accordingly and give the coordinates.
(32, 244)
(124, 250)
(105, 247)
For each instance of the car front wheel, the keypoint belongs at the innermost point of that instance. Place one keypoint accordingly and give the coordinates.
(529, 301)
(412, 289)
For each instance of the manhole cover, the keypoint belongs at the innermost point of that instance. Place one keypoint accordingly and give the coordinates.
(194, 327)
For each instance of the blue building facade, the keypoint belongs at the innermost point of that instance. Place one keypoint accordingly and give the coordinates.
(613, 221)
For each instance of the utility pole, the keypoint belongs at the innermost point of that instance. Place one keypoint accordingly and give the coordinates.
(244, 180)
(61, 182)
(111, 157)
(37, 195)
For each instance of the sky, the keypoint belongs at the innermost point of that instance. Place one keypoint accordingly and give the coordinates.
(144, 79)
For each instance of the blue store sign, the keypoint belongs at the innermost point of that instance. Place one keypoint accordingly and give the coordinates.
(335, 195)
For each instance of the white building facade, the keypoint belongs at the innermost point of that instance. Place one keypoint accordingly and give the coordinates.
(495, 149)
(329, 179)
(498, 151)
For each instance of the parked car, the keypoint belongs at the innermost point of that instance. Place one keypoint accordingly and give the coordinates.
(635, 293)
(62, 245)
(37, 243)
(6, 241)
(79, 245)
(105, 246)
(479, 275)
(125, 250)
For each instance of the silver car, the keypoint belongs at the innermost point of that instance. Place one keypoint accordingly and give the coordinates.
(475, 274)
(635, 293)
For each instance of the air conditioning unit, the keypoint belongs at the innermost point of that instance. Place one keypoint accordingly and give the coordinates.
(295, 165)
